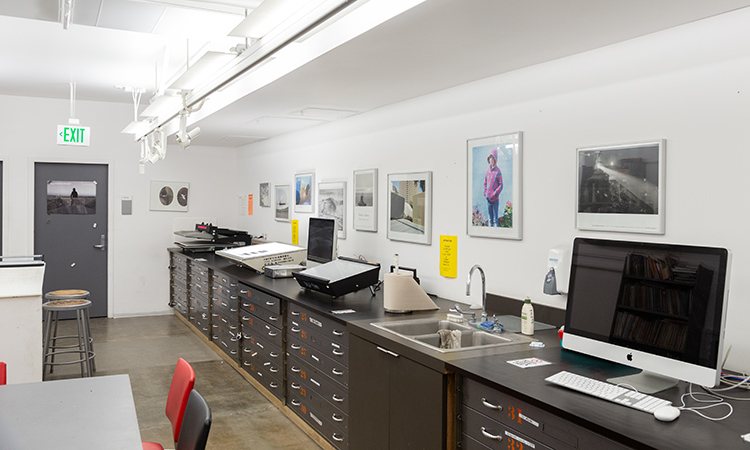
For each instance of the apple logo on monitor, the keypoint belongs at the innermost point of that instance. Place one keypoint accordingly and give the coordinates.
(630, 356)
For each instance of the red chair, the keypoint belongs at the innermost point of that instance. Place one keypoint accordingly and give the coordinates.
(197, 424)
(183, 381)
(3, 378)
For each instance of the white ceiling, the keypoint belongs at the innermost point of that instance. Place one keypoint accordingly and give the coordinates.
(435, 45)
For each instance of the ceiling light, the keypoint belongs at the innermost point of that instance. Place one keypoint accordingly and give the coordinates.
(184, 137)
(266, 17)
(202, 70)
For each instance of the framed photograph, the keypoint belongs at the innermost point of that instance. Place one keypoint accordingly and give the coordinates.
(169, 196)
(494, 201)
(366, 200)
(264, 195)
(332, 203)
(304, 189)
(621, 187)
(282, 201)
(410, 207)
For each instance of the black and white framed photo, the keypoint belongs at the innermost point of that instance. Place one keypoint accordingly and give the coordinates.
(365, 200)
(332, 204)
(494, 200)
(169, 196)
(264, 195)
(410, 207)
(304, 192)
(621, 187)
(282, 201)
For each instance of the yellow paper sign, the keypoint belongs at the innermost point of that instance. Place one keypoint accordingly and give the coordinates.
(295, 232)
(449, 256)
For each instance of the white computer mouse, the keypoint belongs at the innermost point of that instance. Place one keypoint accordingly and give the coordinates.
(667, 413)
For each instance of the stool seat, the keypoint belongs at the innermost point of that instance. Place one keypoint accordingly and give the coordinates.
(62, 294)
(65, 305)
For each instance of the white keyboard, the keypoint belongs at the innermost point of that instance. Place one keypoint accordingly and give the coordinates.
(608, 391)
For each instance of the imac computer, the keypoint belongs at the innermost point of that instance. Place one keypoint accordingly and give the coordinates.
(656, 307)
(321, 241)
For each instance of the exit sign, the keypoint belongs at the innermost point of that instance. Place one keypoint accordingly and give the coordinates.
(73, 135)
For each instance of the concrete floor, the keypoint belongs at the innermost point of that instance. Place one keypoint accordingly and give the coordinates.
(147, 348)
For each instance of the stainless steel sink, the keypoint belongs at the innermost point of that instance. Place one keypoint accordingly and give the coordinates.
(425, 332)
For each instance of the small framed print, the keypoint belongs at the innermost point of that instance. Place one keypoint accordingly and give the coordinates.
(332, 204)
(169, 196)
(281, 198)
(410, 207)
(264, 195)
(365, 205)
(621, 187)
(494, 203)
(304, 192)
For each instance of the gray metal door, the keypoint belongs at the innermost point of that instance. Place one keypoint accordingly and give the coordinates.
(70, 228)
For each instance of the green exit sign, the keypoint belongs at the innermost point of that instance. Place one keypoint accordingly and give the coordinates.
(73, 135)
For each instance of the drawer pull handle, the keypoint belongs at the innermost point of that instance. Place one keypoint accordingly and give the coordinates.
(490, 405)
(337, 352)
(273, 333)
(337, 437)
(273, 355)
(296, 346)
(296, 386)
(295, 330)
(296, 369)
(337, 333)
(295, 313)
(336, 372)
(273, 318)
(243, 291)
(394, 354)
(270, 303)
(337, 418)
(245, 317)
(274, 384)
(490, 435)
(273, 369)
(336, 398)
(296, 402)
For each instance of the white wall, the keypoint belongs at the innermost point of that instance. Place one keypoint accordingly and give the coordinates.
(138, 259)
(689, 85)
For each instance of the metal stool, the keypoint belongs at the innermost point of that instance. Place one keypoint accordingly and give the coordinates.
(84, 341)
(70, 294)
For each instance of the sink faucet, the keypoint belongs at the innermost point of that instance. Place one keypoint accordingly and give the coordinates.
(484, 289)
(464, 314)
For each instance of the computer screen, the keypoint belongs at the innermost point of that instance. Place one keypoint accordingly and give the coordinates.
(321, 240)
(657, 307)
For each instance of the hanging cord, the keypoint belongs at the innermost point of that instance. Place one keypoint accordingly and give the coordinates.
(72, 101)
(136, 102)
(711, 400)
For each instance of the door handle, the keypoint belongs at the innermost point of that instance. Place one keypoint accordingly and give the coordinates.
(101, 246)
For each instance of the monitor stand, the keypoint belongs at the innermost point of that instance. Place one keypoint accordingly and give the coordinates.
(645, 382)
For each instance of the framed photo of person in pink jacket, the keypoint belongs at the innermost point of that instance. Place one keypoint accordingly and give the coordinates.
(494, 202)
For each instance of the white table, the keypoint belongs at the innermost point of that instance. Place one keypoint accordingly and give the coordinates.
(82, 413)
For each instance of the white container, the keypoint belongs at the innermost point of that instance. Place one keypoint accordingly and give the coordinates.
(527, 317)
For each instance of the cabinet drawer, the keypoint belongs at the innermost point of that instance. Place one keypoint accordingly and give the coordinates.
(540, 425)
(320, 423)
(329, 391)
(225, 307)
(304, 332)
(225, 281)
(309, 355)
(328, 328)
(272, 352)
(494, 434)
(250, 296)
(253, 326)
(228, 345)
(318, 404)
(264, 377)
(267, 316)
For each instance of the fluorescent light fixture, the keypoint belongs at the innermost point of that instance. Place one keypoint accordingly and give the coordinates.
(202, 71)
(323, 113)
(266, 17)
(161, 105)
(135, 127)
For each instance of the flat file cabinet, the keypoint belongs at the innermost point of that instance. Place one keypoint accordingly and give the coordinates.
(262, 339)
(179, 283)
(225, 316)
(317, 373)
